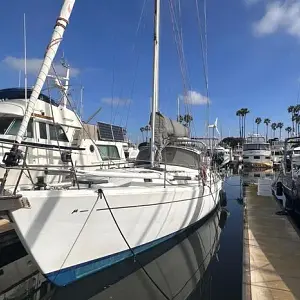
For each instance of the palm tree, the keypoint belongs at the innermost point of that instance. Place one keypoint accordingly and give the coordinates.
(147, 128)
(297, 123)
(245, 111)
(297, 109)
(291, 110)
(187, 119)
(142, 129)
(294, 120)
(257, 121)
(274, 126)
(239, 114)
(289, 130)
(267, 122)
(279, 125)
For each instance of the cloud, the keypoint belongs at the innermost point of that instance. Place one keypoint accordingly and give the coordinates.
(116, 101)
(194, 98)
(34, 65)
(279, 16)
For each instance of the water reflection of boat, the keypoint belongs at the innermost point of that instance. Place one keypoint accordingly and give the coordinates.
(176, 267)
(252, 176)
(19, 275)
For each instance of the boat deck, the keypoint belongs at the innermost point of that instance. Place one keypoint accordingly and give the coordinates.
(271, 251)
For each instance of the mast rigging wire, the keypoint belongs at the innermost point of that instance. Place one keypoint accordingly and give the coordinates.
(180, 52)
(204, 53)
(128, 102)
(178, 36)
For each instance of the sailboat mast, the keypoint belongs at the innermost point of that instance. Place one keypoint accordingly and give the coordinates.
(25, 56)
(178, 109)
(51, 50)
(155, 86)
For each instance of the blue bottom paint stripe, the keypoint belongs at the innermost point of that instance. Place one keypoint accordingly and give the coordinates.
(68, 275)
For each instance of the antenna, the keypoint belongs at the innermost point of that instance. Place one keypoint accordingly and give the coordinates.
(93, 115)
(81, 102)
(25, 56)
(65, 64)
(20, 72)
(178, 109)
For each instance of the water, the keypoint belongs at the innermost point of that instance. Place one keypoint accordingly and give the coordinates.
(204, 262)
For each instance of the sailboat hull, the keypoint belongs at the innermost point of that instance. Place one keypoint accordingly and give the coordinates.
(72, 233)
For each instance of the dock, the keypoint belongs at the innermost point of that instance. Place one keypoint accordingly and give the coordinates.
(271, 251)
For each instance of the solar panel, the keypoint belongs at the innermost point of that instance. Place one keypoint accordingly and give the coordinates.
(110, 132)
(118, 133)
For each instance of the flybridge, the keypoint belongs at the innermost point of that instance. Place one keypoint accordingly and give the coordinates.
(108, 132)
(19, 93)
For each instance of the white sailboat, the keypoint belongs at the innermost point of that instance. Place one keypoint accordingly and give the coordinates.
(74, 232)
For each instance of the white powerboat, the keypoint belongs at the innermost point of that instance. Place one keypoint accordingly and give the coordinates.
(53, 132)
(277, 148)
(224, 155)
(238, 155)
(257, 152)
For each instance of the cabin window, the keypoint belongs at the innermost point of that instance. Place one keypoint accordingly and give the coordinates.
(109, 152)
(143, 156)
(4, 124)
(256, 147)
(180, 157)
(57, 133)
(256, 157)
(15, 126)
(43, 130)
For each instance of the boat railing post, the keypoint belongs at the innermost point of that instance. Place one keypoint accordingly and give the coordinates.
(22, 170)
(165, 172)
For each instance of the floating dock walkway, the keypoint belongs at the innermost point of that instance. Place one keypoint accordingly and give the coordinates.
(271, 251)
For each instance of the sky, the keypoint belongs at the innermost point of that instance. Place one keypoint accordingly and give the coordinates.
(253, 55)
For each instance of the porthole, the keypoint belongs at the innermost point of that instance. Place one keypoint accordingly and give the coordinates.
(92, 148)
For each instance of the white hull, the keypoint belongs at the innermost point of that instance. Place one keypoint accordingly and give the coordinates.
(71, 234)
(227, 159)
(179, 279)
(257, 158)
(237, 158)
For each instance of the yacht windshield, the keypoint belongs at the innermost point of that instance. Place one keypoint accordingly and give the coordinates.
(10, 126)
(4, 124)
(181, 157)
(256, 147)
